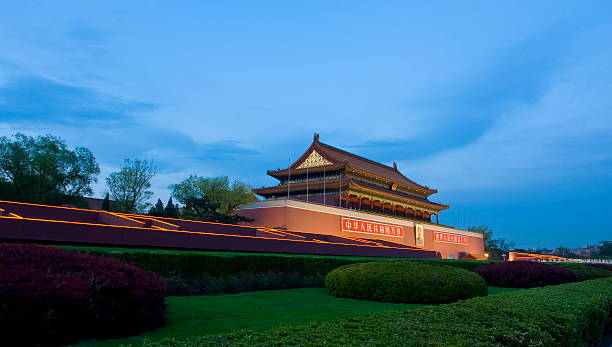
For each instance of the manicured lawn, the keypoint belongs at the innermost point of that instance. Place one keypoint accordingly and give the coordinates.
(497, 290)
(203, 315)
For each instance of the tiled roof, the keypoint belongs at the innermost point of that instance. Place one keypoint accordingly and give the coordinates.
(367, 165)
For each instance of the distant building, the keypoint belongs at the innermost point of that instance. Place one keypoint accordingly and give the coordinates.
(586, 251)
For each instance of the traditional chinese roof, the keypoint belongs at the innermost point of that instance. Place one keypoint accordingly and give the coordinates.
(347, 185)
(320, 156)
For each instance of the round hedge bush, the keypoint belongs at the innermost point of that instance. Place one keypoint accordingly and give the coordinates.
(404, 282)
(524, 274)
(51, 296)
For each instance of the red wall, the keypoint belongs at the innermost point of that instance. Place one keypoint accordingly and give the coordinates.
(303, 219)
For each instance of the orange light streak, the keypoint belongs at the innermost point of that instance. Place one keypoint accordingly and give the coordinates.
(160, 221)
(124, 217)
(204, 233)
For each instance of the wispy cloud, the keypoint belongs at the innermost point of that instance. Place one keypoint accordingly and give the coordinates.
(452, 116)
(566, 130)
(34, 99)
(114, 129)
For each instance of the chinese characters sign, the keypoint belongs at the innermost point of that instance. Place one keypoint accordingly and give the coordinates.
(450, 238)
(361, 226)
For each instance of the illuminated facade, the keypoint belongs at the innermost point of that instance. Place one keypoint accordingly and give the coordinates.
(330, 191)
(331, 176)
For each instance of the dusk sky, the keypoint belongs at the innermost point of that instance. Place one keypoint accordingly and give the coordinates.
(505, 107)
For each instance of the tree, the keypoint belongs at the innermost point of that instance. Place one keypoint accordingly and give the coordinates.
(171, 211)
(217, 190)
(206, 210)
(158, 209)
(606, 248)
(494, 247)
(43, 170)
(106, 203)
(487, 236)
(128, 187)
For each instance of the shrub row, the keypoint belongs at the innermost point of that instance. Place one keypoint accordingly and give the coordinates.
(50, 296)
(194, 273)
(588, 271)
(524, 274)
(570, 314)
(405, 282)
(205, 284)
(602, 266)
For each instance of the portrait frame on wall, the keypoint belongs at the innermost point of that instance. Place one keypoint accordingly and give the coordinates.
(419, 235)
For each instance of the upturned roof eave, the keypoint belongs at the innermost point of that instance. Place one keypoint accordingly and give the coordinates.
(341, 158)
(282, 188)
(407, 182)
(285, 172)
(432, 204)
(346, 184)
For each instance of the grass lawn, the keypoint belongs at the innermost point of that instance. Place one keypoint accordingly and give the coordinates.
(203, 315)
(497, 290)
(216, 314)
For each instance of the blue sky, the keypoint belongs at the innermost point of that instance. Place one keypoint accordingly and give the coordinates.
(504, 107)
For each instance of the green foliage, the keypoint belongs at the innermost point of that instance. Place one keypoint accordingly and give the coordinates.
(205, 284)
(404, 281)
(190, 264)
(606, 249)
(43, 170)
(197, 272)
(494, 247)
(106, 203)
(171, 211)
(572, 314)
(217, 190)
(585, 272)
(158, 209)
(128, 187)
(205, 210)
(204, 315)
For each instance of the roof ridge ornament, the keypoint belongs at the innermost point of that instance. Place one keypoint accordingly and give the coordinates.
(314, 160)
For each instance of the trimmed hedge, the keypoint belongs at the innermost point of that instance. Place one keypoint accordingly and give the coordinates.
(572, 314)
(585, 271)
(241, 282)
(405, 282)
(196, 272)
(602, 266)
(524, 274)
(50, 296)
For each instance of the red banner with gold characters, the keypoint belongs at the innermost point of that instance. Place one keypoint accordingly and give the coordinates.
(376, 228)
(450, 238)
